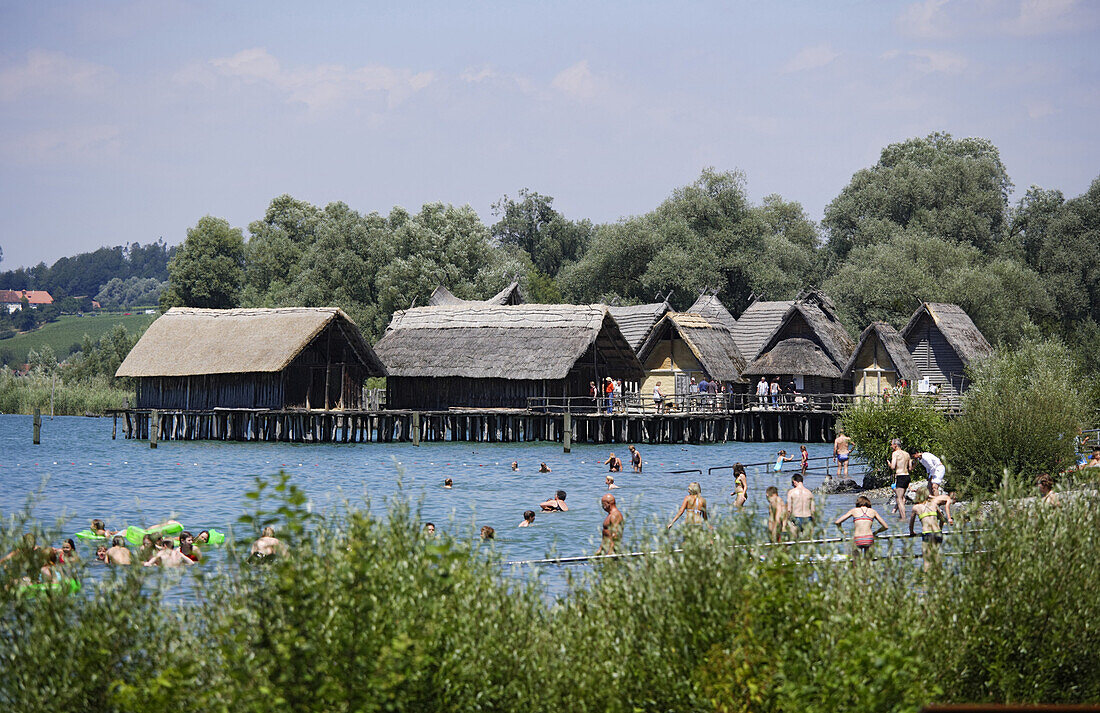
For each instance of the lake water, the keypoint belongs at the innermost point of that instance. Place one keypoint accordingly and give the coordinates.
(79, 473)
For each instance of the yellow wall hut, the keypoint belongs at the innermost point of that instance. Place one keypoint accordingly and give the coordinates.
(880, 361)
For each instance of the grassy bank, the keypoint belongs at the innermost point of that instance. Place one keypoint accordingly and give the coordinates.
(68, 331)
(22, 394)
(373, 615)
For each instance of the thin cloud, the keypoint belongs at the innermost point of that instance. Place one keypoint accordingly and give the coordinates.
(65, 145)
(578, 81)
(44, 71)
(811, 57)
(948, 19)
(1044, 17)
(930, 61)
(321, 88)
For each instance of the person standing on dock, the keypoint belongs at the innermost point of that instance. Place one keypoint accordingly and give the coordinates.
(612, 530)
(609, 392)
(658, 398)
(933, 466)
(594, 394)
(635, 459)
(762, 392)
(800, 505)
(899, 463)
(774, 391)
(842, 447)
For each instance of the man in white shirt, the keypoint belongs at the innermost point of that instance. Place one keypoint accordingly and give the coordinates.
(762, 391)
(934, 467)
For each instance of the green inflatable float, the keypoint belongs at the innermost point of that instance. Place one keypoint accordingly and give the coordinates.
(65, 586)
(134, 534)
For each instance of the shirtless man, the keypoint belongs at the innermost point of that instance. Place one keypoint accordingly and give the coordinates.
(1094, 459)
(612, 530)
(118, 552)
(635, 459)
(609, 481)
(268, 545)
(899, 464)
(614, 465)
(842, 448)
(933, 466)
(1046, 491)
(168, 556)
(800, 506)
(528, 518)
(777, 514)
(543, 468)
(555, 504)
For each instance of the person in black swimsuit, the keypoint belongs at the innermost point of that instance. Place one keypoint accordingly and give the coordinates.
(555, 504)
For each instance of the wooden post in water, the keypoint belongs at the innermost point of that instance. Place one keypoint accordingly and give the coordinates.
(114, 427)
(37, 426)
(567, 432)
(416, 428)
(154, 428)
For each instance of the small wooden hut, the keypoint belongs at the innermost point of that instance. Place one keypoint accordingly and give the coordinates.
(684, 345)
(637, 321)
(943, 341)
(482, 356)
(810, 346)
(879, 361)
(510, 295)
(289, 358)
(758, 322)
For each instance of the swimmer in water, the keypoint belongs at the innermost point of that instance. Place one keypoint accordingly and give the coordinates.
(695, 505)
(635, 459)
(429, 529)
(528, 518)
(805, 459)
(187, 546)
(780, 457)
(863, 517)
(268, 546)
(100, 529)
(740, 485)
(69, 554)
(609, 481)
(543, 468)
(488, 533)
(614, 465)
(515, 465)
(448, 483)
(612, 529)
(168, 556)
(119, 553)
(101, 553)
(555, 504)
(777, 513)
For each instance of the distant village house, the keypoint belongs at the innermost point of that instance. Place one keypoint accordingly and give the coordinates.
(12, 300)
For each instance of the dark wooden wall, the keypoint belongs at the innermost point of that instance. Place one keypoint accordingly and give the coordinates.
(441, 393)
(208, 391)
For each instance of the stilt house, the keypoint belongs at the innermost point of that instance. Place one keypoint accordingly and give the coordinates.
(710, 308)
(291, 358)
(879, 361)
(510, 295)
(684, 345)
(757, 323)
(637, 321)
(482, 356)
(943, 341)
(809, 346)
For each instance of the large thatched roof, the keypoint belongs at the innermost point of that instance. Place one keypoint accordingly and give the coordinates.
(712, 344)
(186, 341)
(712, 309)
(956, 326)
(504, 342)
(510, 295)
(637, 321)
(895, 348)
(757, 323)
(794, 356)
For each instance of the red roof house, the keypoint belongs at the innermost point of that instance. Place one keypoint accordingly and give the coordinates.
(12, 299)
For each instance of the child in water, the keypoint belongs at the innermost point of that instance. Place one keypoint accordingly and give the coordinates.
(779, 458)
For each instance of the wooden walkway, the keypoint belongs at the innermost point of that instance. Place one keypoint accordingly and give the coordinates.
(475, 425)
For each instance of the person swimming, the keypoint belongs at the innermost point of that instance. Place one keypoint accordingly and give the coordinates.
(528, 518)
(543, 468)
(488, 533)
(555, 504)
(448, 483)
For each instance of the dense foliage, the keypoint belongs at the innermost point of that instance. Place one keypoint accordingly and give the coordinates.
(1019, 418)
(85, 274)
(373, 615)
(873, 424)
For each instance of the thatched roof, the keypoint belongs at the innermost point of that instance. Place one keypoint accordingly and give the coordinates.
(505, 342)
(956, 326)
(510, 295)
(757, 323)
(186, 341)
(637, 321)
(794, 356)
(712, 309)
(895, 348)
(711, 343)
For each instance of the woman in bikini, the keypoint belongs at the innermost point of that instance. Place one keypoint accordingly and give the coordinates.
(740, 485)
(695, 505)
(927, 510)
(863, 518)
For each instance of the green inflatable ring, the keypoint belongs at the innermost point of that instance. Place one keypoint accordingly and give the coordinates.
(68, 586)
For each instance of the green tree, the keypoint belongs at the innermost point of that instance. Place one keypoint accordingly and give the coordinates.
(530, 222)
(208, 270)
(872, 425)
(1020, 417)
(950, 188)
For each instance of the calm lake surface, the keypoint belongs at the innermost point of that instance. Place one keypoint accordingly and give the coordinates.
(78, 473)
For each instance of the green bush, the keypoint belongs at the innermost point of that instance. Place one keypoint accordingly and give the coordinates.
(22, 394)
(369, 614)
(872, 424)
(1020, 417)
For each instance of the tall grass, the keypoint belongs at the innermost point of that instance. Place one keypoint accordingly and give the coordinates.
(22, 394)
(371, 615)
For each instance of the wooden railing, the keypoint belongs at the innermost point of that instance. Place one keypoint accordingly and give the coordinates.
(694, 403)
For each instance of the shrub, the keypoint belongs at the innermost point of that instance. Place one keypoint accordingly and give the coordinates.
(872, 424)
(1020, 417)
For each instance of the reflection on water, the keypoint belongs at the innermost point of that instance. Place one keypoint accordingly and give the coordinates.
(82, 474)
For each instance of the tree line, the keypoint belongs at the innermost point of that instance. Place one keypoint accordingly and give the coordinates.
(86, 274)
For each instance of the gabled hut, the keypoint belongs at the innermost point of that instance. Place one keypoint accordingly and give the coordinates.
(684, 345)
(879, 361)
(810, 347)
(637, 321)
(482, 356)
(290, 358)
(711, 309)
(943, 341)
(757, 323)
(510, 295)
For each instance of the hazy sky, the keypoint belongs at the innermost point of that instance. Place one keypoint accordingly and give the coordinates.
(128, 121)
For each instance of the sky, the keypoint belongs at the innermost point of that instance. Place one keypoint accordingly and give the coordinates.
(127, 121)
